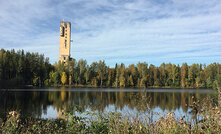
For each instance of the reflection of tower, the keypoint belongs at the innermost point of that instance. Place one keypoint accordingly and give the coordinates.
(65, 41)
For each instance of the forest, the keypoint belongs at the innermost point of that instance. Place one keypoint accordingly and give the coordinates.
(19, 68)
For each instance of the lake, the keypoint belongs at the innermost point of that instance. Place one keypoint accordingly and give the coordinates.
(54, 102)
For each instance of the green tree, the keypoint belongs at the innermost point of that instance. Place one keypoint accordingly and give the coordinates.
(142, 70)
(190, 76)
(82, 69)
(202, 79)
(117, 75)
(102, 71)
(35, 80)
(162, 72)
(175, 75)
(184, 75)
(156, 76)
(209, 83)
(218, 80)
(19, 68)
(197, 81)
(132, 70)
(131, 82)
(56, 78)
(151, 75)
(110, 77)
(122, 79)
(87, 74)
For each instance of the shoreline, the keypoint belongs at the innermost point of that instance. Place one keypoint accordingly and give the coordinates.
(99, 87)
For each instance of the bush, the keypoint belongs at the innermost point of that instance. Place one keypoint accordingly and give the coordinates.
(113, 122)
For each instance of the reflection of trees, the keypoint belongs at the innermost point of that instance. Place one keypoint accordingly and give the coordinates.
(29, 103)
(35, 103)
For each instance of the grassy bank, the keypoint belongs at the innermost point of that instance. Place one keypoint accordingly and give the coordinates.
(209, 122)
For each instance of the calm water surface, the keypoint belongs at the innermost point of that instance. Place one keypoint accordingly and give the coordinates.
(52, 103)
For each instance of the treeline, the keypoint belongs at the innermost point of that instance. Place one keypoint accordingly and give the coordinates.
(20, 68)
(140, 75)
(33, 69)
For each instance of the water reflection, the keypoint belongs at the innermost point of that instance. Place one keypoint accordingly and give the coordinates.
(37, 102)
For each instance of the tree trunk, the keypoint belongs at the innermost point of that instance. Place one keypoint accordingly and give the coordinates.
(101, 81)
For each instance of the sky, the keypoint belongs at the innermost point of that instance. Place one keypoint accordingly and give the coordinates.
(117, 31)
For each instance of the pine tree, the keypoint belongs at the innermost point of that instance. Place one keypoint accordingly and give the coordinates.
(131, 82)
(117, 75)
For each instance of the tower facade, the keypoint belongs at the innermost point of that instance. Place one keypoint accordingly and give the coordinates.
(65, 41)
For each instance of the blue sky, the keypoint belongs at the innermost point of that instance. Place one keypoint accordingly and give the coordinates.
(116, 31)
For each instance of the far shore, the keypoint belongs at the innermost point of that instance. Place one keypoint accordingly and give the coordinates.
(91, 86)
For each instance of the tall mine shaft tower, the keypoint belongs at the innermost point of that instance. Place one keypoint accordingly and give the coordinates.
(65, 41)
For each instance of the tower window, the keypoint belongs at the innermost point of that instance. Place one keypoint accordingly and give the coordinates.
(65, 44)
(61, 31)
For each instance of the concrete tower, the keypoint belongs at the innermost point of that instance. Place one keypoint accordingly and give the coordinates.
(65, 41)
